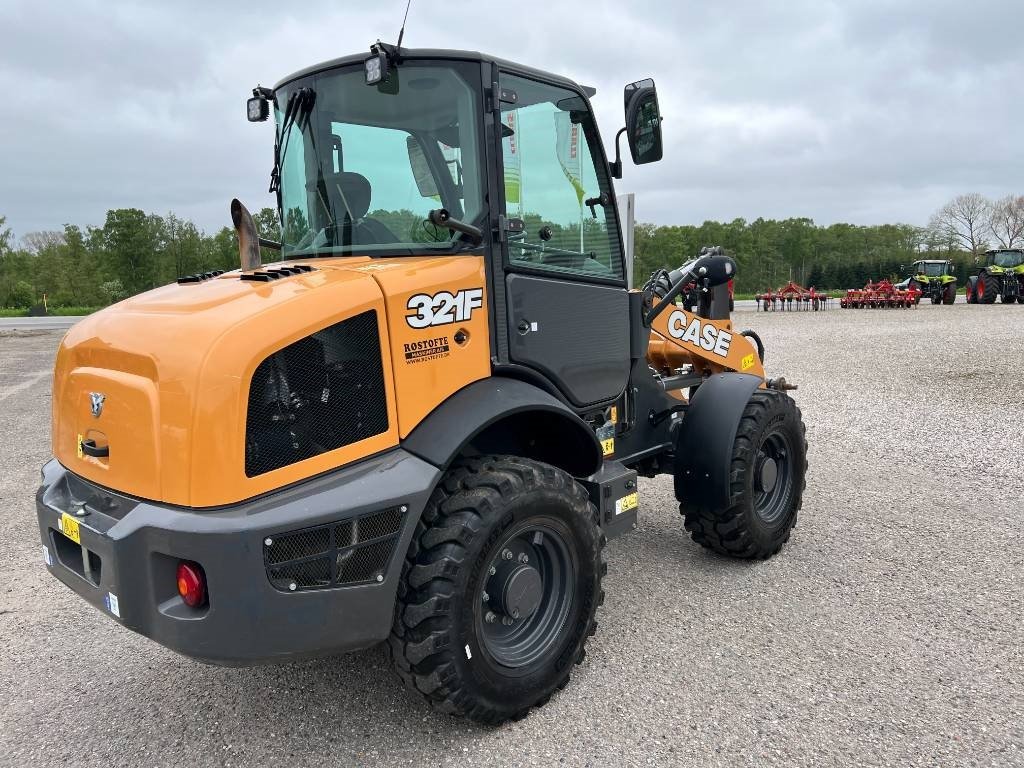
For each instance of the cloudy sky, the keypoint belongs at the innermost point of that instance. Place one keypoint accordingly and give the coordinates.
(866, 111)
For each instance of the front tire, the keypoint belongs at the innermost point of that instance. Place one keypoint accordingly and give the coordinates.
(499, 589)
(949, 293)
(768, 469)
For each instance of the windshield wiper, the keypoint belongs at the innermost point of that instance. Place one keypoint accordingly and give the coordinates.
(299, 106)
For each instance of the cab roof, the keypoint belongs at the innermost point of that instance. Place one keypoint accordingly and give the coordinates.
(441, 53)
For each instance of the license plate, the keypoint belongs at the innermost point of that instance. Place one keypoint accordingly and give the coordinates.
(626, 503)
(69, 527)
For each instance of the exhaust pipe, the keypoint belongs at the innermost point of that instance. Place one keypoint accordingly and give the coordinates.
(248, 237)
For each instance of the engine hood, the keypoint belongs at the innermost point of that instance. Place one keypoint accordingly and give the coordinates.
(161, 380)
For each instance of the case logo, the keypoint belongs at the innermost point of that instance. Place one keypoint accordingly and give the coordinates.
(96, 400)
(443, 308)
(708, 337)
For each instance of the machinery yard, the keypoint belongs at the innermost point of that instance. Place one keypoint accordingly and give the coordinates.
(889, 633)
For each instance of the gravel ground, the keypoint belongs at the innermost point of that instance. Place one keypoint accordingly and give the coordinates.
(887, 632)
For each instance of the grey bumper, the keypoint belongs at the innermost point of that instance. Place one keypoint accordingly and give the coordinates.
(127, 560)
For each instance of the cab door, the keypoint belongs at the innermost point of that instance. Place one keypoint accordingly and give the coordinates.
(564, 276)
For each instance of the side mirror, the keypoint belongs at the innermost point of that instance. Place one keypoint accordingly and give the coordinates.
(643, 122)
(952, 268)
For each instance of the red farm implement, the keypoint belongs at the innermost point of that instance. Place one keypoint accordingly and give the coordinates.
(792, 297)
(880, 295)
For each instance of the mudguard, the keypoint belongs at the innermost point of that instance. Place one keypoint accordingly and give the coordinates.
(703, 450)
(557, 435)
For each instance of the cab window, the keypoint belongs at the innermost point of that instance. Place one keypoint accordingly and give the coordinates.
(556, 183)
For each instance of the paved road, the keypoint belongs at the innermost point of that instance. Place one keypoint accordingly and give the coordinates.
(37, 323)
(888, 631)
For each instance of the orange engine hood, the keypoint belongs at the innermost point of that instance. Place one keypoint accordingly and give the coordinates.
(172, 367)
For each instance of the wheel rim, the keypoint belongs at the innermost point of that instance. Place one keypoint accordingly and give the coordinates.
(773, 476)
(531, 572)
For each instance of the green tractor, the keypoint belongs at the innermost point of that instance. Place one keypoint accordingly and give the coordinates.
(933, 278)
(1001, 275)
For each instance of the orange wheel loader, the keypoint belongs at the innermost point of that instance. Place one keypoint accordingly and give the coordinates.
(421, 425)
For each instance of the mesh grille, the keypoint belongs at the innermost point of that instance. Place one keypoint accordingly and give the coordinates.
(317, 394)
(338, 554)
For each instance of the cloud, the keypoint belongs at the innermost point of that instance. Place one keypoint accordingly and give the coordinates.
(872, 111)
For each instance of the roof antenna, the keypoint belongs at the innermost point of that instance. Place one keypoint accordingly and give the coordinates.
(401, 32)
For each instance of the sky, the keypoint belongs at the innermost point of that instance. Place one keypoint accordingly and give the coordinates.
(865, 111)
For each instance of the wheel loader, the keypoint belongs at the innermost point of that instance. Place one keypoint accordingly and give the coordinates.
(1001, 276)
(935, 279)
(422, 423)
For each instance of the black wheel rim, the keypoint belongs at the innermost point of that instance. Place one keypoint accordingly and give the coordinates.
(519, 642)
(773, 477)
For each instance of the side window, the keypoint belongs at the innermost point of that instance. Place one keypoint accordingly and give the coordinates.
(549, 143)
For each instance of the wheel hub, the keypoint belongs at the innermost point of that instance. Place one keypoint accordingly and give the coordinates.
(768, 474)
(519, 590)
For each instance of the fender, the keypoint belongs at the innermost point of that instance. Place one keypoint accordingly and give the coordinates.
(481, 414)
(703, 451)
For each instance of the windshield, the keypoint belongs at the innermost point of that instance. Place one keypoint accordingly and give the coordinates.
(361, 166)
(932, 269)
(1008, 259)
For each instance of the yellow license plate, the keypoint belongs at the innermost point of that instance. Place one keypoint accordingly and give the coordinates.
(627, 503)
(608, 446)
(69, 527)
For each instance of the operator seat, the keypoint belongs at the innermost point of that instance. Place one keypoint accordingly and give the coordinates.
(353, 195)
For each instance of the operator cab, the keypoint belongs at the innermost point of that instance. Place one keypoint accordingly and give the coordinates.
(435, 152)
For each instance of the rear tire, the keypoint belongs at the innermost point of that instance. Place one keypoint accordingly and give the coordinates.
(988, 288)
(768, 470)
(972, 290)
(453, 647)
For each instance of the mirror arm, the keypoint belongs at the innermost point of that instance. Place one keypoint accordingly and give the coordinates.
(616, 167)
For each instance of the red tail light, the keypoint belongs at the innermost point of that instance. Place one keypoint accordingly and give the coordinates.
(191, 584)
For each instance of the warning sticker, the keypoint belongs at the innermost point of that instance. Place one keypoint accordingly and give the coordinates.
(428, 349)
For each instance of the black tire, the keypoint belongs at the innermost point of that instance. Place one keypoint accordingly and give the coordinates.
(732, 304)
(949, 293)
(441, 643)
(972, 290)
(1020, 298)
(936, 299)
(988, 288)
(770, 420)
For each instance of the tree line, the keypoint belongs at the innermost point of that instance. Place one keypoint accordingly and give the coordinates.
(133, 250)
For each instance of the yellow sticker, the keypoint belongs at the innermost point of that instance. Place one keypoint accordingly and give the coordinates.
(69, 527)
(747, 362)
(627, 503)
(613, 416)
(80, 454)
(608, 446)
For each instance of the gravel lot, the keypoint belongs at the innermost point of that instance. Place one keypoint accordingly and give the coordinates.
(887, 632)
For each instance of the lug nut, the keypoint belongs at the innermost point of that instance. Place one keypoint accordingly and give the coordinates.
(524, 558)
(506, 554)
(490, 617)
(507, 621)
(485, 597)
(492, 570)
(515, 614)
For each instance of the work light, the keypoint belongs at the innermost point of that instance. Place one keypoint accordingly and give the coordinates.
(377, 67)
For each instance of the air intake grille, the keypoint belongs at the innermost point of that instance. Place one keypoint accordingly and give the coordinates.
(320, 393)
(337, 554)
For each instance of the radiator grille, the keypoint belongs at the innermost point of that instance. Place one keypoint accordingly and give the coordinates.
(317, 394)
(353, 551)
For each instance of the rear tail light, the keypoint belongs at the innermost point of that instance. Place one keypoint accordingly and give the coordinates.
(192, 584)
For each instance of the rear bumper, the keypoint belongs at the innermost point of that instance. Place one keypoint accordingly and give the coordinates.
(126, 563)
